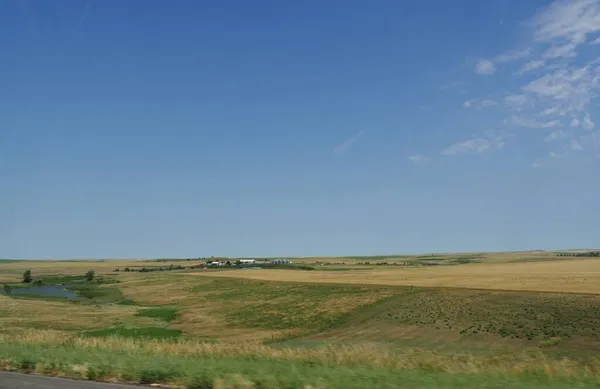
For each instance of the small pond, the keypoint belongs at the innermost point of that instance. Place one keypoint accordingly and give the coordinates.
(47, 291)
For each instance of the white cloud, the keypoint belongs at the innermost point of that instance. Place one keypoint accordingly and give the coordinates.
(485, 67)
(348, 143)
(489, 140)
(556, 135)
(387, 191)
(516, 101)
(591, 140)
(531, 65)
(479, 103)
(532, 123)
(513, 55)
(575, 145)
(588, 124)
(418, 158)
(476, 145)
(561, 51)
(451, 85)
(569, 21)
(565, 83)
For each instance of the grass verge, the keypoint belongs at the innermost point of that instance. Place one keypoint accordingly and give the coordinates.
(206, 371)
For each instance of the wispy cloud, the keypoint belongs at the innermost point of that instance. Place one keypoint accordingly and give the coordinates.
(85, 13)
(475, 103)
(531, 65)
(346, 145)
(476, 145)
(551, 159)
(556, 135)
(485, 67)
(387, 191)
(557, 83)
(417, 158)
(533, 123)
(457, 86)
(451, 85)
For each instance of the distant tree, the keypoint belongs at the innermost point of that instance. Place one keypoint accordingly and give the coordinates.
(27, 278)
(7, 289)
(89, 276)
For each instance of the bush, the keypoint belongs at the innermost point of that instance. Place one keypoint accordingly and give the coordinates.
(27, 278)
(550, 341)
(89, 276)
(152, 376)
(200, 381)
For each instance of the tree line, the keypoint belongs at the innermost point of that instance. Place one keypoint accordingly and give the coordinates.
(584, 254)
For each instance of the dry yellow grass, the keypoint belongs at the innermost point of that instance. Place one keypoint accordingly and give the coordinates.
(32, 313)
(204, 310)
(12, 271)
(375, 355)
(573, 276)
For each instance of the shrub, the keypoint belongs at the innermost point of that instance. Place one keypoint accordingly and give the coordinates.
(89, 276)
(155, 375)
(550, 341)
(27, 278)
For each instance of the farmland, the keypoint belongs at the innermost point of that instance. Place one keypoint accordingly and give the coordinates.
(497, 320)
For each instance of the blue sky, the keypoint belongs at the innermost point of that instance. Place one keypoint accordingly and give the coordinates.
(195, 128)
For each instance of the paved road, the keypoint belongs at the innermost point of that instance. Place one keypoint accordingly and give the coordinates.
(26, 381)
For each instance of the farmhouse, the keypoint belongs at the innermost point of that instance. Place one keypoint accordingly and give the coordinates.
(280, 261)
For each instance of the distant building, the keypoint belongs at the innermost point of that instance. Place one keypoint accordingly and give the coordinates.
(280, 261)
(247, 261)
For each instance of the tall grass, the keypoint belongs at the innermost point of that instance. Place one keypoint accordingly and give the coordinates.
(374, 356)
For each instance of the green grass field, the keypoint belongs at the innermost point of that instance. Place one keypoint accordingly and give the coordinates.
(219, 332)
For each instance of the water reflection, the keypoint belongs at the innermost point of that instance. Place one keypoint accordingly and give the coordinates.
(47, 291)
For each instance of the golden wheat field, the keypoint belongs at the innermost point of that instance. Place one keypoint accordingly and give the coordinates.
(572, 276)
(9, 271)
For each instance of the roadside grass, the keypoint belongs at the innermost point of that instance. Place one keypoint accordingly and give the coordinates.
(202, 365)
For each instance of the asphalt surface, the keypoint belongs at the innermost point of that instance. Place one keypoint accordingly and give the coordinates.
(9, 380)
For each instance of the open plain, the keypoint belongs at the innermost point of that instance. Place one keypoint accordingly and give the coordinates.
(529, 319)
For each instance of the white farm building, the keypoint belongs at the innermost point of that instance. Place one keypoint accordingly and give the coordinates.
(280, 261)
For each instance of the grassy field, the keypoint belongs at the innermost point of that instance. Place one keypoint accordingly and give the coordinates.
(506, 321)
(573, 276)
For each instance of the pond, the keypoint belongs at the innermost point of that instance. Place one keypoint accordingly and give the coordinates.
(47, 291)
